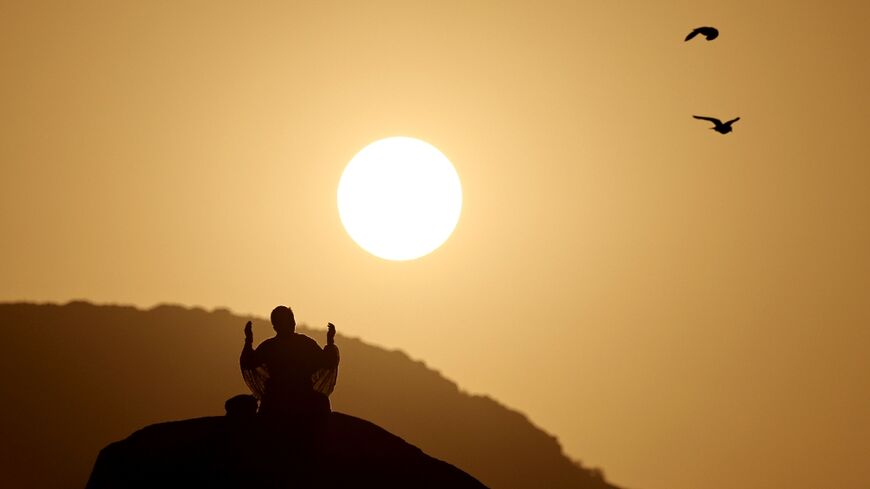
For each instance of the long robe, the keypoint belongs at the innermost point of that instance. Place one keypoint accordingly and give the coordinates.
(285, 371)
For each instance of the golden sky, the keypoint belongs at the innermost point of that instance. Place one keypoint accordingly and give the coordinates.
(680, 308)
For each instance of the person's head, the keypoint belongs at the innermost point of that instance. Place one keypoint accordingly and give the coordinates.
(283, 320)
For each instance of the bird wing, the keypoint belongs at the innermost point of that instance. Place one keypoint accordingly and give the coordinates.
(711, 119)
(692, 34)
(732, 121)
(709, 32)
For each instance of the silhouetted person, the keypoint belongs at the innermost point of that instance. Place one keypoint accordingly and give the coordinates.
(290, 374)
(719, 126)
(709, 32)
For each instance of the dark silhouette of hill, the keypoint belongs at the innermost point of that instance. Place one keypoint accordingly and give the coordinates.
(248, 452)
(80, 376)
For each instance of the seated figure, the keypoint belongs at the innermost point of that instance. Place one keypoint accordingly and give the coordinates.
(289, 373)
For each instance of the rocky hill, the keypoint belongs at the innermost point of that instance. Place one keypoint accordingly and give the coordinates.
(251, 453)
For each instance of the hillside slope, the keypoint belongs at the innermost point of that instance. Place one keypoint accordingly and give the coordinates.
(80, 376)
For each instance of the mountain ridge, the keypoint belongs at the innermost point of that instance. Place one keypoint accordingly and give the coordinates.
(122, 368)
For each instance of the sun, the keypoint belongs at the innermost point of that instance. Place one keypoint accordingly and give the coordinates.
(399, 198)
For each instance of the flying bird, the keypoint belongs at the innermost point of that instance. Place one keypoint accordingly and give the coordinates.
(709, 32)
(719, 126)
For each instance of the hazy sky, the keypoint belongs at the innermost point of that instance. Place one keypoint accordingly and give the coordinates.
(680, 308)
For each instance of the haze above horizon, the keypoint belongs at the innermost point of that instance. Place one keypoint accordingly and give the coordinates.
(681, 308)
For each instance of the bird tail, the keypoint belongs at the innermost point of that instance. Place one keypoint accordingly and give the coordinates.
(691, 35)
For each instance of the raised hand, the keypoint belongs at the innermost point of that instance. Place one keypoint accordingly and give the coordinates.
(249, 335)
(330, 334)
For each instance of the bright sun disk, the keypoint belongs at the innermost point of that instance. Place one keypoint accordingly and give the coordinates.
(399, 198)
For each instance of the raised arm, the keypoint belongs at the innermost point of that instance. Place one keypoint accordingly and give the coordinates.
(248, 359)
(330, 351)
